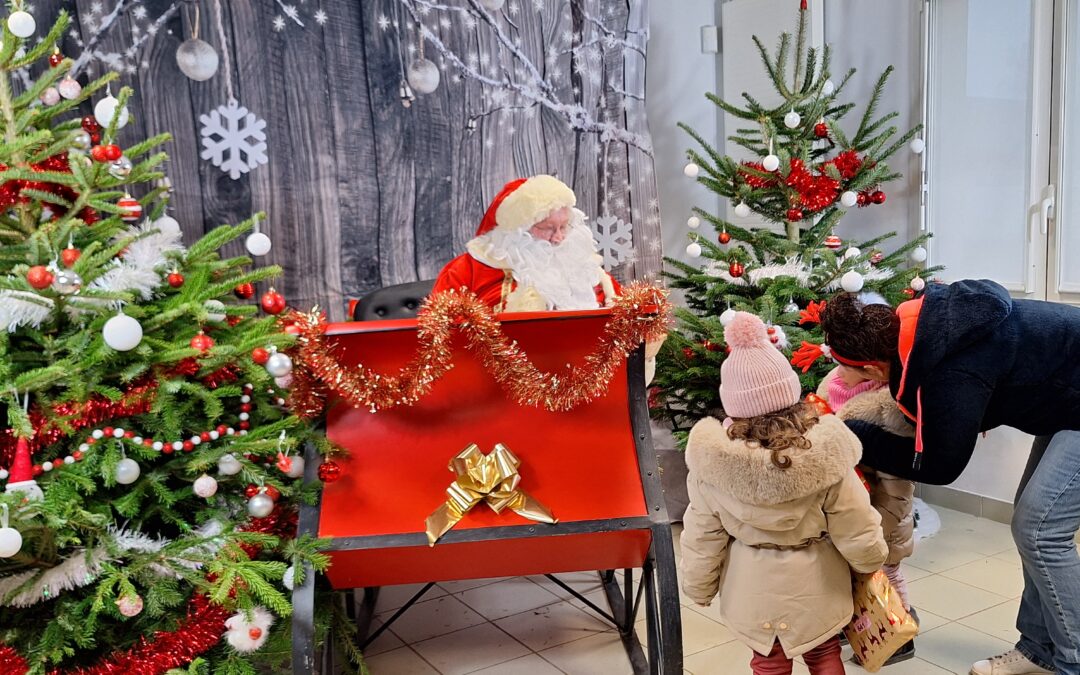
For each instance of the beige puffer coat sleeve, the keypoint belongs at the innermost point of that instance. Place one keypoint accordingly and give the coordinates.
(704, 544)
(855, 527)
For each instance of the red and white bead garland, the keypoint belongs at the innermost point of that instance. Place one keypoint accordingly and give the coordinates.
(164, 447)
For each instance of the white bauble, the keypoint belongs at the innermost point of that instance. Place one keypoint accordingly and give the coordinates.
(693, 222)
(792, 119)
(127, 471)
(288, 580)
(917, 145)
(69, 87)
(726, 317)
(849, 198)
(279, 365)
(197, 59)
(228, 465)
(423, 76)
(693, 249)
(492, 5)
(917, 284)
(122, 333)
(50, 96)
(260, 506)
(10, 542)
(852, 252)
(691, 170)
(215, 310)
(296, 467)
(21, 24)
(828, 88)
(205, 486)
(742, 210)
(852, 282)
(918, 254)
(770, 163)
(108, 108)
(167, 225)
(284, 382)
(257, 243)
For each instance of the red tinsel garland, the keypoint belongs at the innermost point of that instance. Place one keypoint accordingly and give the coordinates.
(641, 313)
(815, 192)
(11, 191)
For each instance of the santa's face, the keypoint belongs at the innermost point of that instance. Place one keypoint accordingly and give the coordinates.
(554, 228)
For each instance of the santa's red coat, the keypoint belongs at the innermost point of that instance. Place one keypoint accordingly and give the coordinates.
(492, 285)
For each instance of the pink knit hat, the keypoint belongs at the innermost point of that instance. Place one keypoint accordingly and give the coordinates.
(755, 378)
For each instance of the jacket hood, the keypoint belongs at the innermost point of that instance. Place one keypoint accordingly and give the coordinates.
(763, 494)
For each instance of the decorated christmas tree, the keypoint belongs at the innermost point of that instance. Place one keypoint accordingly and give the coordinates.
(805, 174)
(149, 464)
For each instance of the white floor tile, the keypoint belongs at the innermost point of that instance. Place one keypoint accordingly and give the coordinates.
(401, 661)
(385, 643)
(393, 597)
(949, 598)
(990, 574)
(601, 654)
(506, 598)
(938, 554)
(470, 649)
(731, 658)
(552, 625)
(582, 582)
(432, 618)
(532, 664)
(466, 584)
(998, 621)
(955, 647)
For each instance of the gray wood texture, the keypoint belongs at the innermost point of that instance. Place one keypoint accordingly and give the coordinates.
(362, 191)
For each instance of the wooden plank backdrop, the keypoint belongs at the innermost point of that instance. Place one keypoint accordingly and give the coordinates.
(363, 191)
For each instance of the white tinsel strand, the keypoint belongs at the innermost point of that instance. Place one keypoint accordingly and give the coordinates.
(138, 271)
(873, 274)
(20, 308)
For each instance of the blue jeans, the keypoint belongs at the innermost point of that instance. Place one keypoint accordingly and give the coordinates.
(1045, 521)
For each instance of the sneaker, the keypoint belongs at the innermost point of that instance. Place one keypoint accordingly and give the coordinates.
(1011, 662)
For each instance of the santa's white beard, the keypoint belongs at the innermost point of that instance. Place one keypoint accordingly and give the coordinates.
(564, 275)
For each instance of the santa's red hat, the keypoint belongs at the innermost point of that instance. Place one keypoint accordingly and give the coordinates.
(526, 201)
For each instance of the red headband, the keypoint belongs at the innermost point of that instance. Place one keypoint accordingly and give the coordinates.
(850, 362)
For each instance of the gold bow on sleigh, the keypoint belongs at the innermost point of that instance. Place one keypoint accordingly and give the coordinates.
(492, 478)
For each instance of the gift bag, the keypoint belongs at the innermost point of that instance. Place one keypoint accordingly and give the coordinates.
(880, 625)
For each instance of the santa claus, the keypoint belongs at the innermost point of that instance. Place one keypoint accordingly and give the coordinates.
(532, 252)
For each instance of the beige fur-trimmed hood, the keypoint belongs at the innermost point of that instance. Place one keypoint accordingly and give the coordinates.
(748, 474)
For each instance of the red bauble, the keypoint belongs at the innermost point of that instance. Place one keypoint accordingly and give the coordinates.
(95, 137)
(99, 153)
(90, 124)
(56, 59)
(688, 352)
(329, 471)
(272, 302)
(188, 446)
(112, 152)
(711, 346)
(39, 277)
(176, 280)
(130, 209)
(724, 237)
(794, 215)
(821, 130)
(272, 492)
(251, 490)
(863, 199)
(244, 291)
(736, 269)
(69, 256)
(202, 342)
(260, 356)
(878, 197)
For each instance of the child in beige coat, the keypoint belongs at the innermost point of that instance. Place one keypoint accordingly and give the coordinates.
(777, 518)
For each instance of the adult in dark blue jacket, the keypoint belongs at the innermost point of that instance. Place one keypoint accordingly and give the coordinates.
(965, 358)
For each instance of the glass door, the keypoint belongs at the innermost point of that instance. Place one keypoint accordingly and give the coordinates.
(1064, 218)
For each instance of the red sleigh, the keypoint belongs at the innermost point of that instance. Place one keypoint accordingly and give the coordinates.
(593, 467)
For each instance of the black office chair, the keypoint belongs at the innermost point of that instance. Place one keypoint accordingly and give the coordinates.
(393, 302)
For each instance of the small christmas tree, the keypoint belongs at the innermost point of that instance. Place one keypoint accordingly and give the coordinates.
(809, 173)
(148, 462)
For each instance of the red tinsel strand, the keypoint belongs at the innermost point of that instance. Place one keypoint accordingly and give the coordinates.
(11, 663)
(754, 180)
(135, 401)
(847, 163)
(816, 192)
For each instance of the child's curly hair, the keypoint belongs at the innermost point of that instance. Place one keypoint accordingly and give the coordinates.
(777, 431)
(860, 331)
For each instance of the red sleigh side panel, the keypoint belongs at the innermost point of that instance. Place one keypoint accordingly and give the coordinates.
(582, 464)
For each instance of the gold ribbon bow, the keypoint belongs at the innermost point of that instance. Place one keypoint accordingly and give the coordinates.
(492, 478)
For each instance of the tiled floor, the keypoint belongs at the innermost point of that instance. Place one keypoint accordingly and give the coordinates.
(965, 582)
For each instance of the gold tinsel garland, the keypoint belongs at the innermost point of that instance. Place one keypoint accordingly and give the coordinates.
(640, 313)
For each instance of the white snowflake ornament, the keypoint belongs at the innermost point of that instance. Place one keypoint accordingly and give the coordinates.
(246, 633)
(615, 239)
(233, 139)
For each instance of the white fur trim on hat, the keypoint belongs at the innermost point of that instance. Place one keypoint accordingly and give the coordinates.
(533, 201)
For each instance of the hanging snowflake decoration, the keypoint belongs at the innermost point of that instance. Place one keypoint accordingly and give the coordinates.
(233, 139)
(615, 240)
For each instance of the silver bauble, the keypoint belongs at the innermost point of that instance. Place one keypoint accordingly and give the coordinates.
(279, 365)
(121, 168)
(81, 140)
(127, 471)
(228, 465)
(197, 59)
(260, 506)
(66, 282)
(423, 76)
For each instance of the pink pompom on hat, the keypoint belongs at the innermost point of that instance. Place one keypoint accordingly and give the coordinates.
(755, 378)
